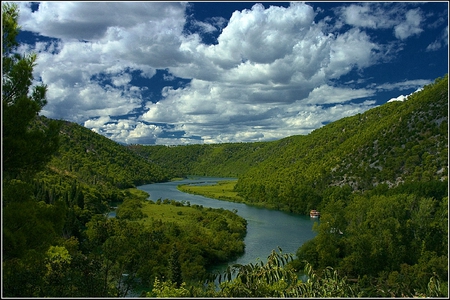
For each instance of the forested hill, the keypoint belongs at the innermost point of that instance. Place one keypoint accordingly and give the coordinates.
(395, 143)
(91, 171)
(227, 159)
(398, 142)
(94, 159)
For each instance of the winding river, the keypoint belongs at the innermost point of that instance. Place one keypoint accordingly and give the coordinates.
(266, 229)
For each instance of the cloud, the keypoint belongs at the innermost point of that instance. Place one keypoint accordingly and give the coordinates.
(126, 131)
(410, 26)
(440, 42)
(264, 57)
(95, 123)
(352, 49)
(403, 85)
(373, 15)
(92, 20)
(271, 72)
(368, 15)
(326, 94)
(204, 27)
(255, 34)
(399, 98)
(118, 47)
(199, 111)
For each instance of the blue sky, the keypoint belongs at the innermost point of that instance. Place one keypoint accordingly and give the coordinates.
(214, 72)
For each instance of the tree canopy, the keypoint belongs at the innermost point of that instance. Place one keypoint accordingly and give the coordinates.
(27, 146)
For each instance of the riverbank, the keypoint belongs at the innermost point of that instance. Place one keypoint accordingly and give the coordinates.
(222, 190)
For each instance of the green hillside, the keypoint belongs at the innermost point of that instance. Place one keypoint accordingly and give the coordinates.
(228, 159)
(95, 159)
(398, 142)
(88, 173)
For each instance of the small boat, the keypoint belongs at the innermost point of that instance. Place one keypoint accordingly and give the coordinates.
(314, 213)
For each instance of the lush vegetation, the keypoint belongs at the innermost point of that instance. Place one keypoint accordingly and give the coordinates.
(386, 241)
(398, 142)
(223, 190)
(278, 278)
(228, 159)
(96, 159)
(379, 179)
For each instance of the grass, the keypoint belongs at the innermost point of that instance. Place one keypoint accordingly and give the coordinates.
(182, 215)
(223, 190)
(177, 211)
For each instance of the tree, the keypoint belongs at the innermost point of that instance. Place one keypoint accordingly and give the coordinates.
(27, 142)
(30, 226)
(175, 267)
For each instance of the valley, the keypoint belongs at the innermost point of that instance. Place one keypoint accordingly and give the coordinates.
(379, 178)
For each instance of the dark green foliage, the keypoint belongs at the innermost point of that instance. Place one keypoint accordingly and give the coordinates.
(29, 225)
(130, 209)
(396, 242)
(27, 146)
(88, 173)
(230, 160)
(271, 279)
(175, 267)
(97, 160)
(278, 278)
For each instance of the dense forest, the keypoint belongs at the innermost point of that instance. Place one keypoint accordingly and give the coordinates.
(227, 159)
(379, 179)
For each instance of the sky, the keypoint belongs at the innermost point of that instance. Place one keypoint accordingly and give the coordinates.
(171, 73)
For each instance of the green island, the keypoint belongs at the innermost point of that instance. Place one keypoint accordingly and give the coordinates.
(379, 180)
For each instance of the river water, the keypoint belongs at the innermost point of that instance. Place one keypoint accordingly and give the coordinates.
(266, 229)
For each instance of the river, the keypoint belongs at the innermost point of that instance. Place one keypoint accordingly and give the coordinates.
(266, 229)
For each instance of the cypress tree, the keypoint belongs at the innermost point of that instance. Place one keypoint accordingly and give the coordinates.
(175, 267)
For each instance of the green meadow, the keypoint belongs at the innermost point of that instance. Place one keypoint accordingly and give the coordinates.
(181, 215)
(223, 190)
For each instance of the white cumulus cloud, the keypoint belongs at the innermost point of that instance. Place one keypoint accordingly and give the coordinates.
(271, 72)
